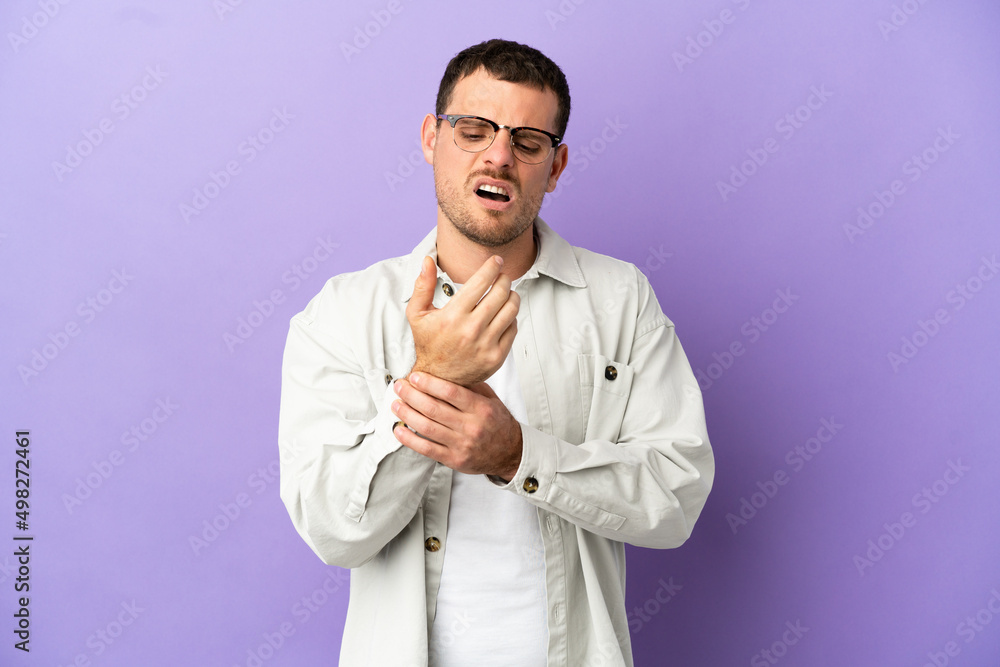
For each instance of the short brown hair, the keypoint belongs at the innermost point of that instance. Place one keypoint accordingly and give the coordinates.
(508, 61)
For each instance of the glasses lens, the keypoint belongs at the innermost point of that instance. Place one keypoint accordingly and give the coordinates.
(473, 135)
(531, 147)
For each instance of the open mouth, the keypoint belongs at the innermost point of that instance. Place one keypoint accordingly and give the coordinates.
(493, 193)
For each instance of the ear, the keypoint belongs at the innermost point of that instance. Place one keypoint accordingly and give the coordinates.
(428, 137)
(558, 164)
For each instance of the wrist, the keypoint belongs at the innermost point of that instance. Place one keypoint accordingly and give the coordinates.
(510, 472)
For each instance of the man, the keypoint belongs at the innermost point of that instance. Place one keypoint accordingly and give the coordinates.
(479, 427)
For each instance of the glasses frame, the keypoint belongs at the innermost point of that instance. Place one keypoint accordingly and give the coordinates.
(454, 118)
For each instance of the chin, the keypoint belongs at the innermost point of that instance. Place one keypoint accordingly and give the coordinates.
(485, 227)
(490, 238)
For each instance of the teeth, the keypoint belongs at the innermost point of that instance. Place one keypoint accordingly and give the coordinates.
(494, 189)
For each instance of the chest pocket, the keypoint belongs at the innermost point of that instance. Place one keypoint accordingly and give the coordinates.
(605, 386)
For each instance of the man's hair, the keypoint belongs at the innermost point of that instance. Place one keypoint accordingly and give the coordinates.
(508, 61)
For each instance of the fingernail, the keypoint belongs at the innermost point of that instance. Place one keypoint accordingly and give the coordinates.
(395, 387)
(394, 407)
(499, 260)
(415, 378)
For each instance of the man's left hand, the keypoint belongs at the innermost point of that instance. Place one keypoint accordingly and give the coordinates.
(467, 429)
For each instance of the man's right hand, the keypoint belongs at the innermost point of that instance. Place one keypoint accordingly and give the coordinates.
(468, 340)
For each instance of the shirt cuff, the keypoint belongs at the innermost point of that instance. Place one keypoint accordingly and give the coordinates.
(534, 475)
(383, 444)
(385, 421)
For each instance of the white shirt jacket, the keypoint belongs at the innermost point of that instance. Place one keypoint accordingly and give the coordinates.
(615, 449)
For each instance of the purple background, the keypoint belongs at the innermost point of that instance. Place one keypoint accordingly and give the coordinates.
(337, 173)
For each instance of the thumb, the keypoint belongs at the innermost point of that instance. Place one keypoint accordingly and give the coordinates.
(423, 288)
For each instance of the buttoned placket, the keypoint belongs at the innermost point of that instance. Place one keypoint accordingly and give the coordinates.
(438, 496)
(529, 372)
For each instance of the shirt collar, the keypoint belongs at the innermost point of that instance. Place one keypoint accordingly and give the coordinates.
(555, 259)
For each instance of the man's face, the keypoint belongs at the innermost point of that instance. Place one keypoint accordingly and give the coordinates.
(485, 220)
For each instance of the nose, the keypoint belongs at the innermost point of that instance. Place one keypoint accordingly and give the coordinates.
(500, 153)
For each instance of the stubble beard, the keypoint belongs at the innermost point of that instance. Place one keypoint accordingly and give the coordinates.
(488, 230)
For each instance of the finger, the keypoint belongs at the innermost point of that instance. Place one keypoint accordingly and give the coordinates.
(423, 288)
(424, 427)
(431, 417)
(495, 298)
(449, 392)
(408, 438)
(476, 286)
(427, 426)
(507, 339)
(504, 317)
(429, 406)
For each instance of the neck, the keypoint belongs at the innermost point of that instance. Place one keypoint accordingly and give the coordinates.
(461, 257)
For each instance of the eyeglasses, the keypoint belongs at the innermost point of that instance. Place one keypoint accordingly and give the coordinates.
(474, 135)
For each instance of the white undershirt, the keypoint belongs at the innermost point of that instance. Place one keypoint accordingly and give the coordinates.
(491, 606)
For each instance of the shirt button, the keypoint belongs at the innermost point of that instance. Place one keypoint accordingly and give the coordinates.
(432, 544)
(399, 423)
(530, 485)
(388, 379)
(447, 289)
(611, 372)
